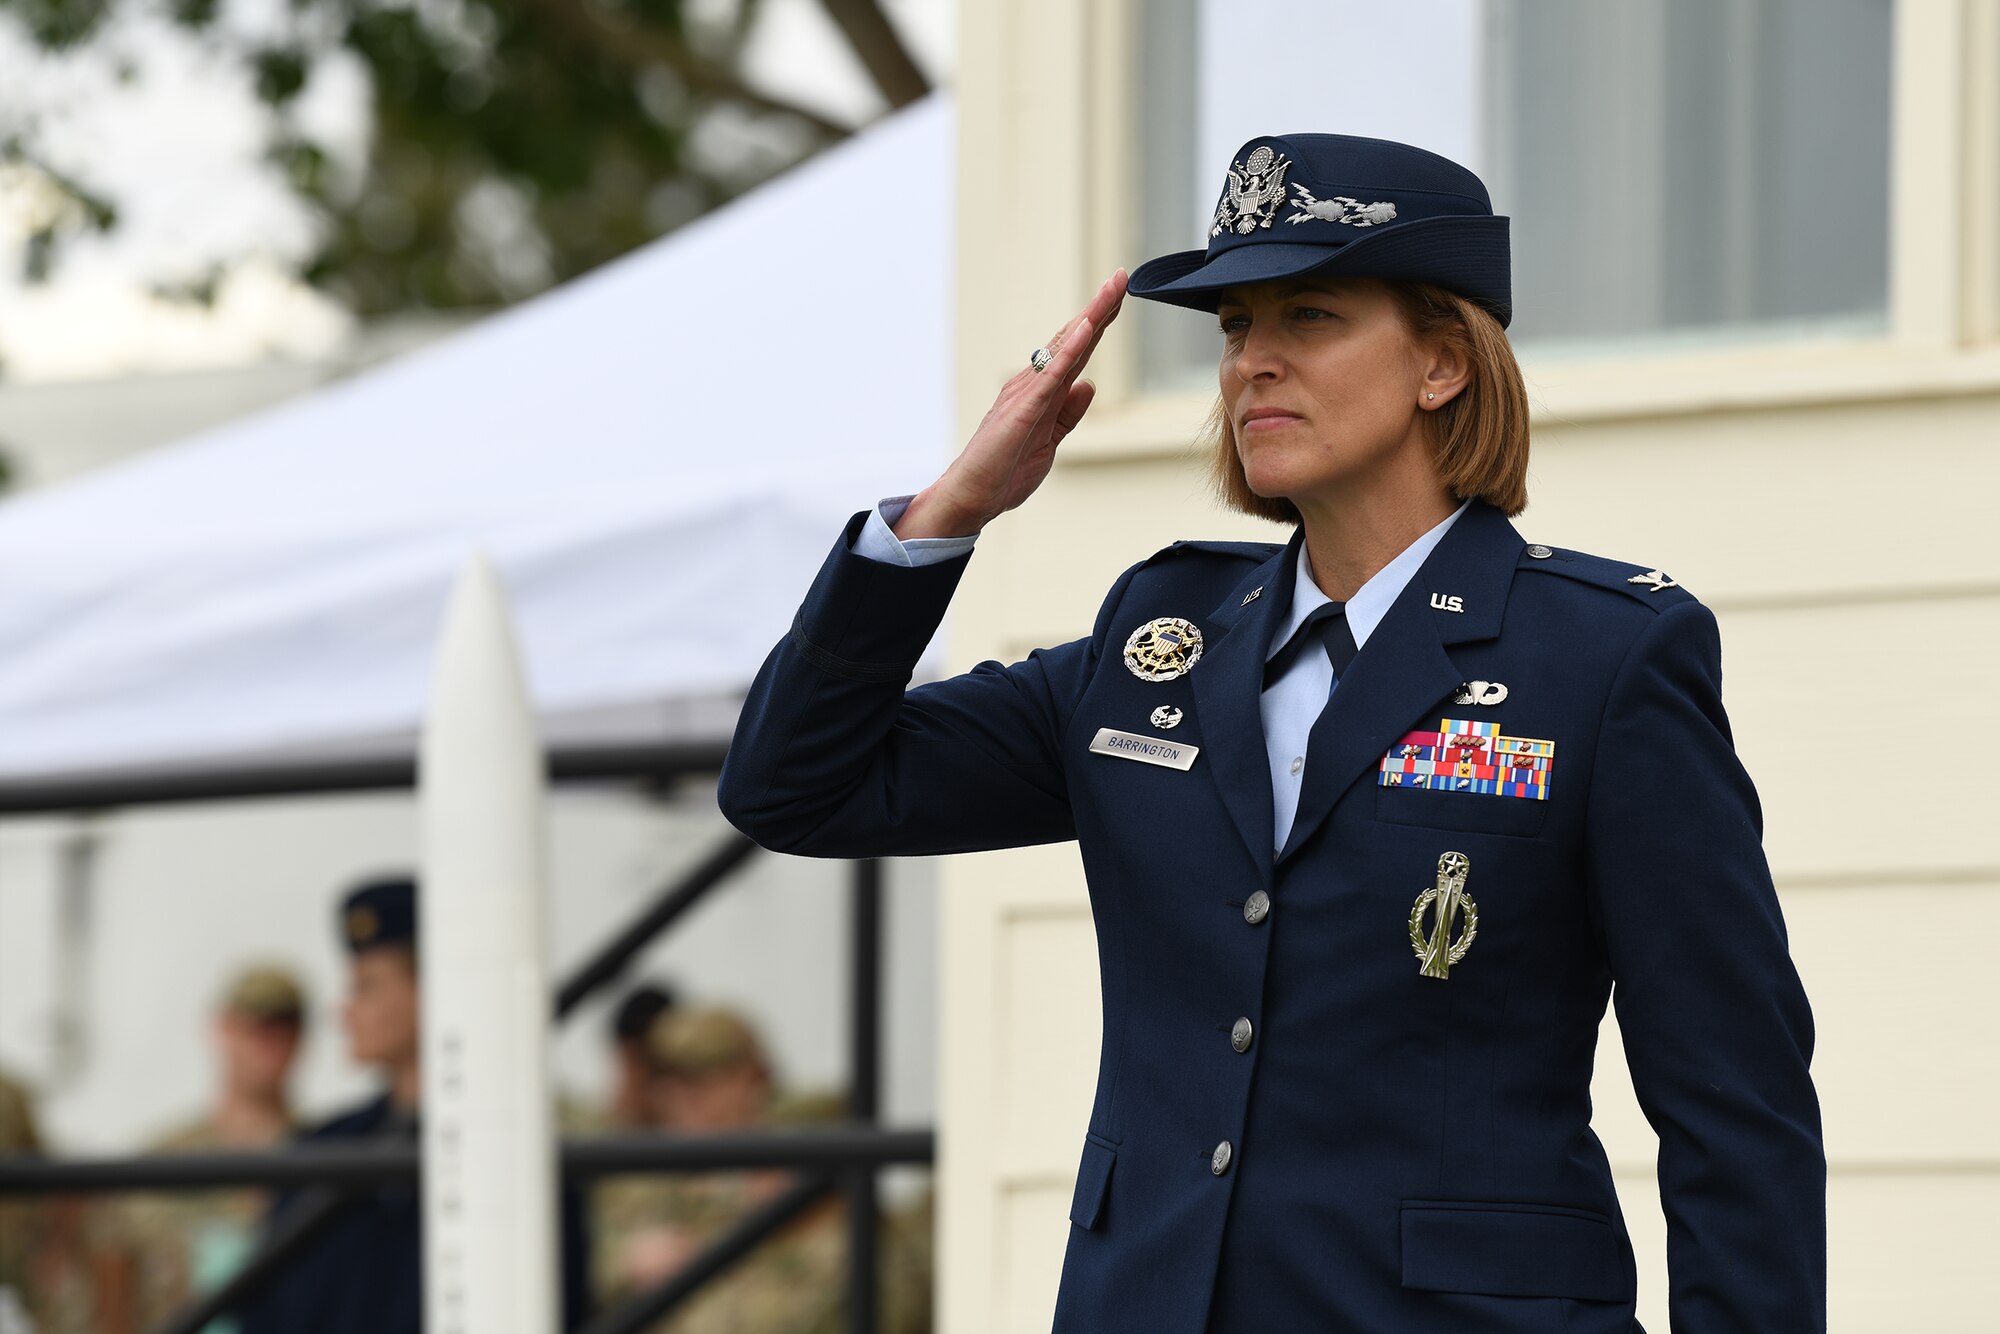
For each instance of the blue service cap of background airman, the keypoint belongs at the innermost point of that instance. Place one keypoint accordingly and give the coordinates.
(379, 912)
(1338, 205)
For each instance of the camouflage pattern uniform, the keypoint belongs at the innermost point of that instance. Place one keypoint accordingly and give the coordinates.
(17, 1217)
(183, 1243)
(48, 1264)
(795, 1281)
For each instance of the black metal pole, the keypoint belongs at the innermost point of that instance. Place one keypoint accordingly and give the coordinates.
(245, 780)
(611, 960)
(732, 1246)
(864, 1094)
(360, 1164)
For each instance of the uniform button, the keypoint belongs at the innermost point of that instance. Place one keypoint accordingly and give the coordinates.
(1257, 907)
(1240, 1035)
(1298, 763)
(1218, 1162)
(1539, 552)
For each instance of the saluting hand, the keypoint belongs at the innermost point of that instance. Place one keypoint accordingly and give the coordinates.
(1011, 452)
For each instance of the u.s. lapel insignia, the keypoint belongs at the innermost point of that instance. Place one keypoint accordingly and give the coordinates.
(1252, 596)
(1166, 718)
(1436, 950)
(1655, 580)
(1466, 756)
(1256, 187)
(1163, 649)
(1480, 692)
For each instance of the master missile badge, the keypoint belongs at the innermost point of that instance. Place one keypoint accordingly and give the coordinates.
(1435, 950)
(1163, 649)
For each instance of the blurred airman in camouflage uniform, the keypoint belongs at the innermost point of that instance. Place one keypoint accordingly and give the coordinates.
(186, 1243)
(51, 1273)
(710, 1075)
(17, 1217)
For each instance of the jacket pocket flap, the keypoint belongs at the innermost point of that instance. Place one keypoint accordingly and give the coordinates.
(1093, 1176)
(1514, 1250)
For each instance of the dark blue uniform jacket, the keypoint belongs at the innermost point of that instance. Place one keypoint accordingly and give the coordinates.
(1408, 1153)
(364, 1273)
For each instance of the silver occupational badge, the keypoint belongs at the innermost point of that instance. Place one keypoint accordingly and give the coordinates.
(1162, 649)
(1166, 718)
(1436, 951)
(1256, 188)
(1340, 208)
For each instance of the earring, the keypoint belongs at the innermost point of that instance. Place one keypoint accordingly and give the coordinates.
(1430, 395)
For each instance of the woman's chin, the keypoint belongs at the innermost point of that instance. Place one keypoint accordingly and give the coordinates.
(1272, 483)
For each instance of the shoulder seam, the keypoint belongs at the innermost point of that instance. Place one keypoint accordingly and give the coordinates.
(1634, 589)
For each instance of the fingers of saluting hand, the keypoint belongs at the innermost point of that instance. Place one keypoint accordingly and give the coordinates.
(1070, 349)
(1075, 404)
(1083, 334)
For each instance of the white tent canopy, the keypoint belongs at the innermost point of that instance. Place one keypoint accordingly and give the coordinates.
(655, 457)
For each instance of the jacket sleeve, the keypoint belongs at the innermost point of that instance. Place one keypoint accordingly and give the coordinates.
(831, 757)
(1716, 1027)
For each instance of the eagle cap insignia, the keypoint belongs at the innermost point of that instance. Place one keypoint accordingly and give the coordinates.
(1163, 649)
(1255, 189)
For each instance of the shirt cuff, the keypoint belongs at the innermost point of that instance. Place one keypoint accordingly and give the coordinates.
(877, 540)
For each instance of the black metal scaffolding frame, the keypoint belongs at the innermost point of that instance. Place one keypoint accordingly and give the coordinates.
(844, 1158)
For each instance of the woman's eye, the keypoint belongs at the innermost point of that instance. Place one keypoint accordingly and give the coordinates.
(1312, 313)
(1235, 323)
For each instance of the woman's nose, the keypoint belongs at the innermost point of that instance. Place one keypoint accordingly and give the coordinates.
(1257, 358)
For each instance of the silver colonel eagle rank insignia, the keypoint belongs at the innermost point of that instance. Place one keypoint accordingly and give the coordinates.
(1163, 649)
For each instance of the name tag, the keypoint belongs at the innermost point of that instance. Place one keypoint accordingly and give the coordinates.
(1145, 749)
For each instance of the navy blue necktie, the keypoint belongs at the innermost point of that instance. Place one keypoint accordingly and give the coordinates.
(1326, 626)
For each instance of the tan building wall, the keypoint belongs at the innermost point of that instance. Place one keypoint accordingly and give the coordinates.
(1832, 502)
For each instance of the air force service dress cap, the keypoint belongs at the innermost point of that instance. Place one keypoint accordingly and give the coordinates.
(380, 912)
(1337, 205)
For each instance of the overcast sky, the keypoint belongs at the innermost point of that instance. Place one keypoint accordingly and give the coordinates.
(179, 147)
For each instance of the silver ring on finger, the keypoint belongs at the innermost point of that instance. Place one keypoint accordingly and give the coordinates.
(1040, 359)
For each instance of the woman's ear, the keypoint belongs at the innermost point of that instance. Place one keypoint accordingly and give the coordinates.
(1447, 369)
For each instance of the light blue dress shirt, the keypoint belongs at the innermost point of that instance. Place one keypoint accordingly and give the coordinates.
(1292, 703)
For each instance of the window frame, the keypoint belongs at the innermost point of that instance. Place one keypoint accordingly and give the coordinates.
(1943, 325)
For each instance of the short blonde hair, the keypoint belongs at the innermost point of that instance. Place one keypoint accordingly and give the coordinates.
(1479, 440)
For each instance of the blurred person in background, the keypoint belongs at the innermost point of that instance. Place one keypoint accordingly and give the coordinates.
(185, 1243)
(627, 1108)
(710, 1075)
(53, 1277)
(364, 1273)
(18, 1134)
(631, 1106)
(622, 1207)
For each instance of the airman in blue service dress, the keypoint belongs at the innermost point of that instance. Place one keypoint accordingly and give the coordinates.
(1345, 1074)
(363, 1274)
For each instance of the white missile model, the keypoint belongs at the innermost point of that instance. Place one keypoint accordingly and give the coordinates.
(489, 1179)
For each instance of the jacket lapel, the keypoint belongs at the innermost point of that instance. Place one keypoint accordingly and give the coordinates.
(1228, 686)
(1403, 672)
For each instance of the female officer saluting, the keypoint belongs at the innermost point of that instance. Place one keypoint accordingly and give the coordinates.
(1431, 796)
